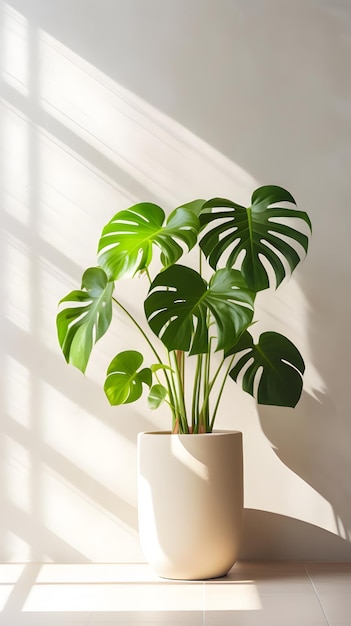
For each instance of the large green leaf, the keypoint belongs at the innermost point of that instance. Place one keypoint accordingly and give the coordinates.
(85, 318)
(124, 381)
(126, 242)
(180, 301)
(257, 232)
(276, 363)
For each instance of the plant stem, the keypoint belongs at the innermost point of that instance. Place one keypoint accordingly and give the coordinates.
(196, 394)
(179, 393)
(207, 389)
(175, 412)
(221, 388)
(141, 330)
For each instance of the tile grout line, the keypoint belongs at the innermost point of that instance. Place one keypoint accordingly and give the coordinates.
(316, 594)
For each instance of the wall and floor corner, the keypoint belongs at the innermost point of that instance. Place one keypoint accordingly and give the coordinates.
(107, 103)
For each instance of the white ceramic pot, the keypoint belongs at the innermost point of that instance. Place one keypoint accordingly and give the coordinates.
(190, 502)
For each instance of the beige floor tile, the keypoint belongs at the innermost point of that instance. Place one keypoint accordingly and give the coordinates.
(331, 577)
(150, 618)
(240, 618)
(232, 596)
(97, 573)
(268, 567)
(273, 582)
(329, 567)
(44, 619)
(254, 593)
(280, 608)
(115, 597)
(337, 606)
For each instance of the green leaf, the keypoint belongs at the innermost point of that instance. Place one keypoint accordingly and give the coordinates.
(124, 381)
(257, 232)
(195, 206)
(85, 318)
(243, 342)
(180, 301)
(160, 366)
(156, 396)
(277, 364)
(126, 243)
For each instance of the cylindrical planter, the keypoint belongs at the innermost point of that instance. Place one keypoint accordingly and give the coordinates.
(190, 502)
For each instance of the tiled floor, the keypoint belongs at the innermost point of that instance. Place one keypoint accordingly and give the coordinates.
(288, 594)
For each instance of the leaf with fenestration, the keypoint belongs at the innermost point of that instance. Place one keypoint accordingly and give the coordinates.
(85, 318)
(180, 303)
(127, 241)
(124, 381)
(275, 366)
(257, 231)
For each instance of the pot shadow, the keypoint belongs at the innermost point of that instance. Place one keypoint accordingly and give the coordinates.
(312, 441)
(268, 536)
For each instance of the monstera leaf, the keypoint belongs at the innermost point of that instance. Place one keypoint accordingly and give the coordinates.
(278, 365)
(124, 382)
(258, 232)
(86, 317)
(126, 242)
(180, 301)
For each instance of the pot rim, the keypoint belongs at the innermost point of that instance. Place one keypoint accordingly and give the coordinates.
(169, 432)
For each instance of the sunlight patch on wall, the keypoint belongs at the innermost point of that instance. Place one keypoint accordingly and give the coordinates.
(160, 154)
(15, 49)
(18, 286)
(64, 424)
(17, 396)
(51, 279)
(16, 175)
(14, 548)
(17, 474)
(74, 197)
(83, 524)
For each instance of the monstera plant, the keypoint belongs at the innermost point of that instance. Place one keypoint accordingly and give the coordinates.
(200, 310)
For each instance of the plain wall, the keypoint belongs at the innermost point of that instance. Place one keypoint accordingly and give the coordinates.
(110, 102)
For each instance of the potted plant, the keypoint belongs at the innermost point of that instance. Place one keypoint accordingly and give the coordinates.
(200, 314)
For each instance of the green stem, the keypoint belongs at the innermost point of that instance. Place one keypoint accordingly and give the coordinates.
(175, 412)
(141, 330)
(221, 388)
(207, 389)
(196, 394)
(179, 394)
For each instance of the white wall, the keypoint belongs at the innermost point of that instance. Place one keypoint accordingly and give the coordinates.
(107, 102)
